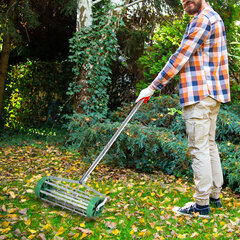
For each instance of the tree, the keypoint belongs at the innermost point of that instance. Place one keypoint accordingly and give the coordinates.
(140, 18)
(16, 17)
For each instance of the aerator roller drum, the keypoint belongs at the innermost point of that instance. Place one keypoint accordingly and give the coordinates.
(76, 196)
(70, 195)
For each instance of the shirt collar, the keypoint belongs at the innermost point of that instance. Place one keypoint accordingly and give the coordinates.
(206, 4)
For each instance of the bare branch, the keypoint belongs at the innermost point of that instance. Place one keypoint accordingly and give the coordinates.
(129, 5)
(133, 3)
(96, 1)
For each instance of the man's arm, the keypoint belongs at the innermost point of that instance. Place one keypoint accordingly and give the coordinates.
(199, 30)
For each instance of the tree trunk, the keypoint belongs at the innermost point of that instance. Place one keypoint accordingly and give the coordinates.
(84, 14)
(3, 67)
(84, 19)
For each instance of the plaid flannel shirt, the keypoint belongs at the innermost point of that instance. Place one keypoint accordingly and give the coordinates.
(201, 60)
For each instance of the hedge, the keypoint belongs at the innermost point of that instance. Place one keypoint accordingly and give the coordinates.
(155, 139)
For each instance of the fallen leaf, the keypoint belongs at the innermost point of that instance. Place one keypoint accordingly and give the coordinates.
(84, 235)
(4, 208)
(115, 232)
(159, 229)
(28, 222)
(82, 225)
(32, 231)
(12, 194)
(194, 235)
(76, 236)
(23, 211)
(111, 225)
(5, 224)
(60, 231)
(42, 236)
(87, 231)
(29, 191)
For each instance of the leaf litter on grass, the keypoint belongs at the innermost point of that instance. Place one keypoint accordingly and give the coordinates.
(140, 206)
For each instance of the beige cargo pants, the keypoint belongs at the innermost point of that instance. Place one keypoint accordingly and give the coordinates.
(200, 120)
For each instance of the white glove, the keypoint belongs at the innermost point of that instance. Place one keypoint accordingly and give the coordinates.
(145, 94)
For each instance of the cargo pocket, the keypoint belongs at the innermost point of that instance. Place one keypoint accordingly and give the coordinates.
(195, 111)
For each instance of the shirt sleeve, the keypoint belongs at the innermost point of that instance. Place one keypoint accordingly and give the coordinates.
(198, 31)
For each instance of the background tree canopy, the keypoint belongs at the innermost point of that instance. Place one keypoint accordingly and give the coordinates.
(151, 32)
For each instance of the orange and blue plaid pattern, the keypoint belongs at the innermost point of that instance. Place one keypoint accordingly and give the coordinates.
(201, 60)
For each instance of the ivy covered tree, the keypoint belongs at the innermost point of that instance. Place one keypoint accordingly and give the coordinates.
(100, 38)
(93, 49)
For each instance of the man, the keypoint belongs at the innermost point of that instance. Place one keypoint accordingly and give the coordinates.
(202, 62)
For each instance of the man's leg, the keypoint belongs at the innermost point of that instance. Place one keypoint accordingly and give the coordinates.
(198, 124)
(214, 156)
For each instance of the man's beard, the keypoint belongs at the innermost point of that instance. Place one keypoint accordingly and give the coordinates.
(192, 10)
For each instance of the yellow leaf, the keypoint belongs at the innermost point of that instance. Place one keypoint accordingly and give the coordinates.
(115, 232)
(153, 194)
(12, 210)
(60, 231)
(6, 230)
(159, 229)
(28, 222)
(12, 195)
(205, 220)
(131, 232)
(182, 236)
(5, 224)
(48, 227)
(32, 236)
(76, 235)
(84, 235)
(32, 231)
(82, 225)
(142, 221)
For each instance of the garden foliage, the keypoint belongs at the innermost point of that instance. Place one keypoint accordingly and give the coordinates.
(165, 42)
(93, 49)
(34, 92)
(155, 139)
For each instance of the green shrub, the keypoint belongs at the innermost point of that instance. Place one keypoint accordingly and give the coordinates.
(34, 91)
(231, 164)
(228, 123)
(138, 146)
(155, 138)
(166, 40)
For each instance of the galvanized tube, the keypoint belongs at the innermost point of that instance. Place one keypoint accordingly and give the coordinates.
(85, 177)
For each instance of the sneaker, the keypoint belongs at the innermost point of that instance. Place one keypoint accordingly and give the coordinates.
(215, 202)
(191, 209)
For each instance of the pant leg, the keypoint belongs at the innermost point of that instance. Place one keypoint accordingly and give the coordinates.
(217, 174)
(200, 127)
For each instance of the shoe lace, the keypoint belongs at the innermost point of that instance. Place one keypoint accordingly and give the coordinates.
(189, 207)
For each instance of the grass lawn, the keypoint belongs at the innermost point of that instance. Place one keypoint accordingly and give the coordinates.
(140, 206)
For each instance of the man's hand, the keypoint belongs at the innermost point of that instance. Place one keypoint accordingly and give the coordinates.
(145, 94)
